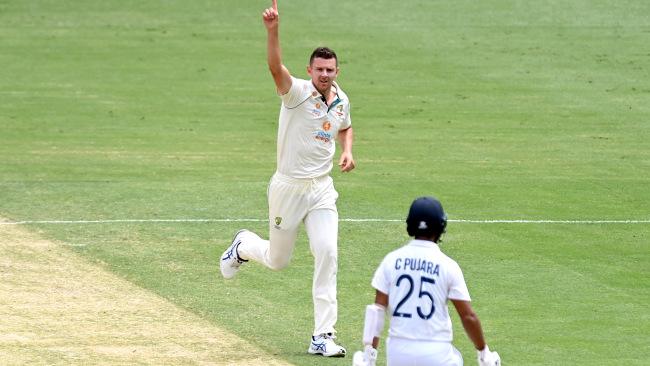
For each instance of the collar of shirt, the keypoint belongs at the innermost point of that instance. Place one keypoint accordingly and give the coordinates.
(336, 101)
(424, 243)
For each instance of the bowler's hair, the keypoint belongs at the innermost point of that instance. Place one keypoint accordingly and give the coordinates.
(323, 52)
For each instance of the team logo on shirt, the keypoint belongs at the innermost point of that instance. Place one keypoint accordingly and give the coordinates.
(323, 136)
(339, 110)
(327, 125)
(317, 105)
(278, 221)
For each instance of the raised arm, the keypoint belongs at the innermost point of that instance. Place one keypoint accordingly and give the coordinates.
(280, 74)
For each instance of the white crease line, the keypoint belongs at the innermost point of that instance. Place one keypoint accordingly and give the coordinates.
(72, 222)
(554, 221)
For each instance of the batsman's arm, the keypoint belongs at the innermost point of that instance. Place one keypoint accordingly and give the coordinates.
(372, 328)
(280, 73)
(471, 323)
(381, 299)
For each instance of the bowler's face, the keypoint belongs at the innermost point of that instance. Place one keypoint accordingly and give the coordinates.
(323, 72)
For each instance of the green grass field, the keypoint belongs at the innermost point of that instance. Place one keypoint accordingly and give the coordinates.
(503, 109)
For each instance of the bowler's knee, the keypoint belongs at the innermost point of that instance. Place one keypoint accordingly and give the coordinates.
(325, 249)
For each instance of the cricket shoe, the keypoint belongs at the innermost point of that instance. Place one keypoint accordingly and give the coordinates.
(324, 345)
(230, 259)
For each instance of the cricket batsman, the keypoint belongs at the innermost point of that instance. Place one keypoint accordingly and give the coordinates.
(413, 285)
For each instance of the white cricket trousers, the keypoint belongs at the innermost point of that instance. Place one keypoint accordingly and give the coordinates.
(292, 201)
(407, 352)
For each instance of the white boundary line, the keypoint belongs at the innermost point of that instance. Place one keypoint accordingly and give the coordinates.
(127, 221)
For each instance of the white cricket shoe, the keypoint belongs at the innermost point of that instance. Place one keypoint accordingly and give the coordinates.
(230, 259)
(324, 345)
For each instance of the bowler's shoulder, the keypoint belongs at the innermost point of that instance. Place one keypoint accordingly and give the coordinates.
(299, 90)
(299, 80)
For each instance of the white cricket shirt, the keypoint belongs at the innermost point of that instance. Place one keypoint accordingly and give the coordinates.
(308, 128)
(419, 279)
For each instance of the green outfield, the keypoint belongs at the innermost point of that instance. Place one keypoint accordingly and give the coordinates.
(503, 109)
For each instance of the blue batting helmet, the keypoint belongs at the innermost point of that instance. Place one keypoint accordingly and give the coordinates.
(426, 218)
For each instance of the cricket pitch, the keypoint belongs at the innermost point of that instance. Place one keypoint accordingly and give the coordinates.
(57, 308)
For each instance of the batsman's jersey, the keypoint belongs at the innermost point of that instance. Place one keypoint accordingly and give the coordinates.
(419, 279)
(308, 128)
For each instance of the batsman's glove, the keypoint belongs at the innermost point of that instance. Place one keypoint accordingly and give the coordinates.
(366, 358)
(488, 358)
